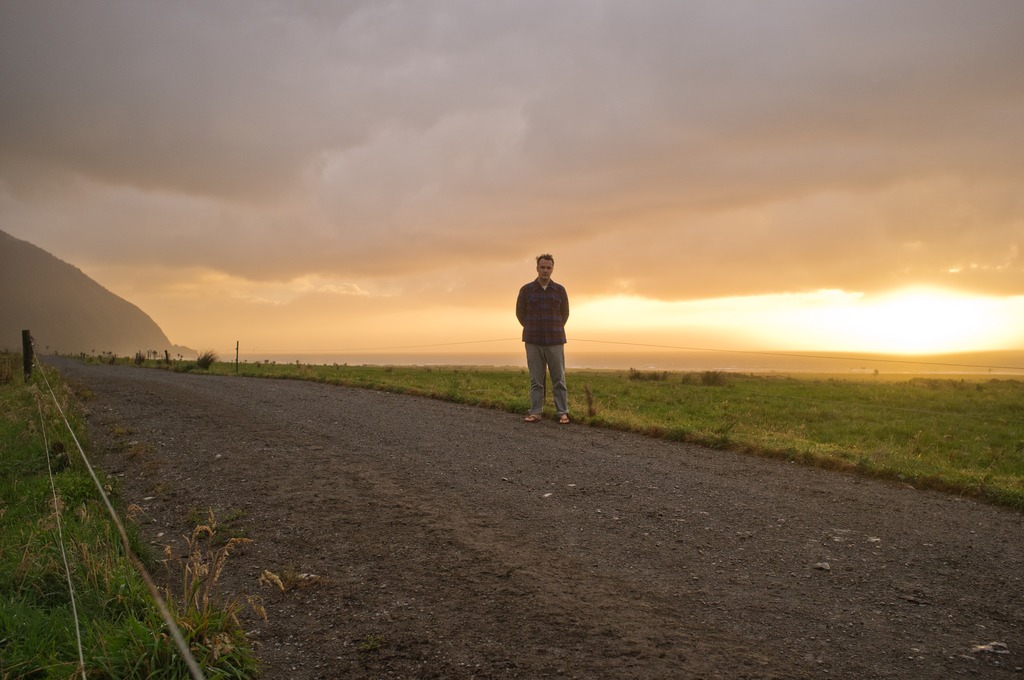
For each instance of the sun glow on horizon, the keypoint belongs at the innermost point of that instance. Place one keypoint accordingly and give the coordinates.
(908, 321)
(918, 321)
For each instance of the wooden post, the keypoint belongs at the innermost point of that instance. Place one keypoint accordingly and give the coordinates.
(236, 356)
(26, 354)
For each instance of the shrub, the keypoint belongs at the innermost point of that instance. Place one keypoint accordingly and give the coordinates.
(712, 378)
(647, 375)
(206, 359)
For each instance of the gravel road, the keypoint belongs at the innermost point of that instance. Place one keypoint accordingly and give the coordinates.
(445, 541)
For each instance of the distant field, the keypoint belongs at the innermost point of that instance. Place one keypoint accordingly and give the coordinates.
(588, 355)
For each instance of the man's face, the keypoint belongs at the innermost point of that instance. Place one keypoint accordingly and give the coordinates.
(544, 269)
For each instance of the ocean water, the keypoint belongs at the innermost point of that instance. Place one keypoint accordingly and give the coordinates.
(996, 364)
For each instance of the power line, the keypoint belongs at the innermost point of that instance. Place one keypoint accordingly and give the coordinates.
(851, 357)
(381, 349)
(681, 348)
(736, 351)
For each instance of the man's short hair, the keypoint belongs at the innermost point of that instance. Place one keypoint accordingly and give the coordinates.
(545, 256)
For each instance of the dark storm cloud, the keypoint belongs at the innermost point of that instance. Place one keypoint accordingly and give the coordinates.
(727, 148)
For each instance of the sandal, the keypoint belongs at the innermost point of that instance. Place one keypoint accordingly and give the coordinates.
(532, 418)
(563, 419)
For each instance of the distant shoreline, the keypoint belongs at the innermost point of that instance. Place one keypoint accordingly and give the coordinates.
(1000, 363)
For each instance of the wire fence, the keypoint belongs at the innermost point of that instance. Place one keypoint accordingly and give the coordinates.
(807, 356)
(60, 541)
(158, 599)
(172, 626)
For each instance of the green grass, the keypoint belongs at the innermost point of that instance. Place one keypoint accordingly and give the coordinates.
(123, 635)
(961, 435)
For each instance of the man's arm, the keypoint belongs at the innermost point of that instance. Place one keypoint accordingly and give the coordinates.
(521, 306)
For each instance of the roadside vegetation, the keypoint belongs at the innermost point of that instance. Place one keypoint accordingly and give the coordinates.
(962, 435)
(64, 572)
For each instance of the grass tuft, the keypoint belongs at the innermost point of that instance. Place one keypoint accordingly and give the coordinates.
(206, 359)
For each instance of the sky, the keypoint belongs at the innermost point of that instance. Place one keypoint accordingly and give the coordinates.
(332, 175)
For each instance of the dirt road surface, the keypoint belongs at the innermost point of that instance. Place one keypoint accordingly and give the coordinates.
(446, 541)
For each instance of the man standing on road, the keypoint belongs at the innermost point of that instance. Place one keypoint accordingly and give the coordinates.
(542, 310)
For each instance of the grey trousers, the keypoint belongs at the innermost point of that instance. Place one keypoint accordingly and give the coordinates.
(551, 358)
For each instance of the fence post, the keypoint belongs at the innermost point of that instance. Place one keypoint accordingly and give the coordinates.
(26, 354)
(236, 356)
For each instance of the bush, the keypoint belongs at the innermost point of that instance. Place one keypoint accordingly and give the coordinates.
(206, 359)
(647, 375)
(712, 378)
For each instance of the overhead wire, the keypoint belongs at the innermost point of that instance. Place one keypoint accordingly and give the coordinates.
(851, 358)
(680, 348)
(383, 348)
(685, 348)
(802, 356)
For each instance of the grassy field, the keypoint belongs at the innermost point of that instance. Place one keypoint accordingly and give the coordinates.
(961, 435)
(64, 572)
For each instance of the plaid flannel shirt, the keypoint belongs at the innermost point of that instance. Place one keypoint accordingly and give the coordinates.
(543, 313)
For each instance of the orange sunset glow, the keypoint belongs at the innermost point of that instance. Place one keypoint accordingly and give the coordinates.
(803, 176)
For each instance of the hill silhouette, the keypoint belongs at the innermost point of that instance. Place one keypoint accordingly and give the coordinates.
(66, 311)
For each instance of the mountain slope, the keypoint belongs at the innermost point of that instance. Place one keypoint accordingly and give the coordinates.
(65, 310)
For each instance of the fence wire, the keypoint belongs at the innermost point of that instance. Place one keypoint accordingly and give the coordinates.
(60, 541)
(179, 639)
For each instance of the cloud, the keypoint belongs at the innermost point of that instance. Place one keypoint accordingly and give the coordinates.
(430, 149)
